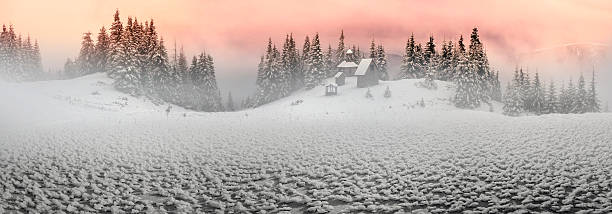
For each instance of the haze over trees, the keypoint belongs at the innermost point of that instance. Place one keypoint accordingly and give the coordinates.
(524, 95)
(20, 58)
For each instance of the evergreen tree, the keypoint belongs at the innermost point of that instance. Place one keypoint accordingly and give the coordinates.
(116, 34)
(466, 95)
(124, 71)
(564, 102)
(340, 51)
(373, 52)
(409, 68)
(316, 65)
(101, 51)
(86, 59)
(430, 50)
(592, 101)
(513, 104)
(571, 100)
(581, 96)
(305, 58)
(381, 63)
(552, 102)
(329, 62)
(538, 96)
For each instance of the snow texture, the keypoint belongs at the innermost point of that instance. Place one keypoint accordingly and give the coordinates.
(75, 150)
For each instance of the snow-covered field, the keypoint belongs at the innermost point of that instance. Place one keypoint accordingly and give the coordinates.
(64, 147)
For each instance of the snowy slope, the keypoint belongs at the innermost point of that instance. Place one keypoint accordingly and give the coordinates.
(342, 154)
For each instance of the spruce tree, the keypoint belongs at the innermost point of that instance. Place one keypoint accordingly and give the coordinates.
(381, 63)
(538, 99)
(116, 32)
(513, 103)
(408, 67)
(102, 51)
(340, 51)
(571, 100)
(329, 62)
(466, 95)
(86, 59)
(581, 96)
(552, 102)
(373, 52)
(316, 66)
(592, 101)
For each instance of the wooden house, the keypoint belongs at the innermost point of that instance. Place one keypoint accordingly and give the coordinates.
(340, 78)
(331, 89)
(367, 74)
(348, 68)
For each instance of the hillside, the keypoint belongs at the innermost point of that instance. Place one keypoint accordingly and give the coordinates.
(341, 154)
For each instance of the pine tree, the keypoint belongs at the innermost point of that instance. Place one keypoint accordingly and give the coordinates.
(409, 69)
(340, 51)
(592, 101)
(381, 63)
(329, 62)
(430, 50)
(316, 66)
(571, 101)
(373, 52)
(538, 99)
(101, 51)
(293, 65)
(86, 59)
(466, 95)
(552, 102)
(513, 103)
(305, 58)
(116, 34)
(581, 96)
(124, 71)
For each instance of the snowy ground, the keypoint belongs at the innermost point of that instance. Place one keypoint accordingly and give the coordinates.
(343, 154)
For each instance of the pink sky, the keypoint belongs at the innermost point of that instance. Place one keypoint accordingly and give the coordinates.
(236, 31)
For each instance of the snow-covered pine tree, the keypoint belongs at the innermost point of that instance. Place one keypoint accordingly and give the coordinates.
(430, 51)
(86, 59)
(552, 102)
(127, 78)
(316, 66)
(408, 67)
(166, 81)
(305, 62)
(571, 100)
(373, 52)
(69, 68)
(101, 51)
(513, 104)
(214, 94)
(445, 63)
(582, 98)
(340, 51)
(115, 35)
(330, 65)
(37, 59)
(478, 58)
(525, 92)
(419, 61)
(564, 103)
(293, 60)
(592, 101)
(466, 95)
(381, 63)
(538, 93)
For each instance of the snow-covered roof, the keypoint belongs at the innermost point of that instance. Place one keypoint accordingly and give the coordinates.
(363, 66)
(338, 74)
(345, 64)
(349, 51)
(332, 84)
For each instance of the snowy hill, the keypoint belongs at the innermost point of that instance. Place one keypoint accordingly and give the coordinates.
(84, 98)
(351, 100)
(64, 149)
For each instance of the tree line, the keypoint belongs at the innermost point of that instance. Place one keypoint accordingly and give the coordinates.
(281, 72)
(524, 95)
(20, 58)
(136, 58)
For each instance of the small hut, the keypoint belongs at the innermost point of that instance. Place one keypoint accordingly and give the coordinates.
(340, 78)
(331, 89)
(348, 68)
(366, 73)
